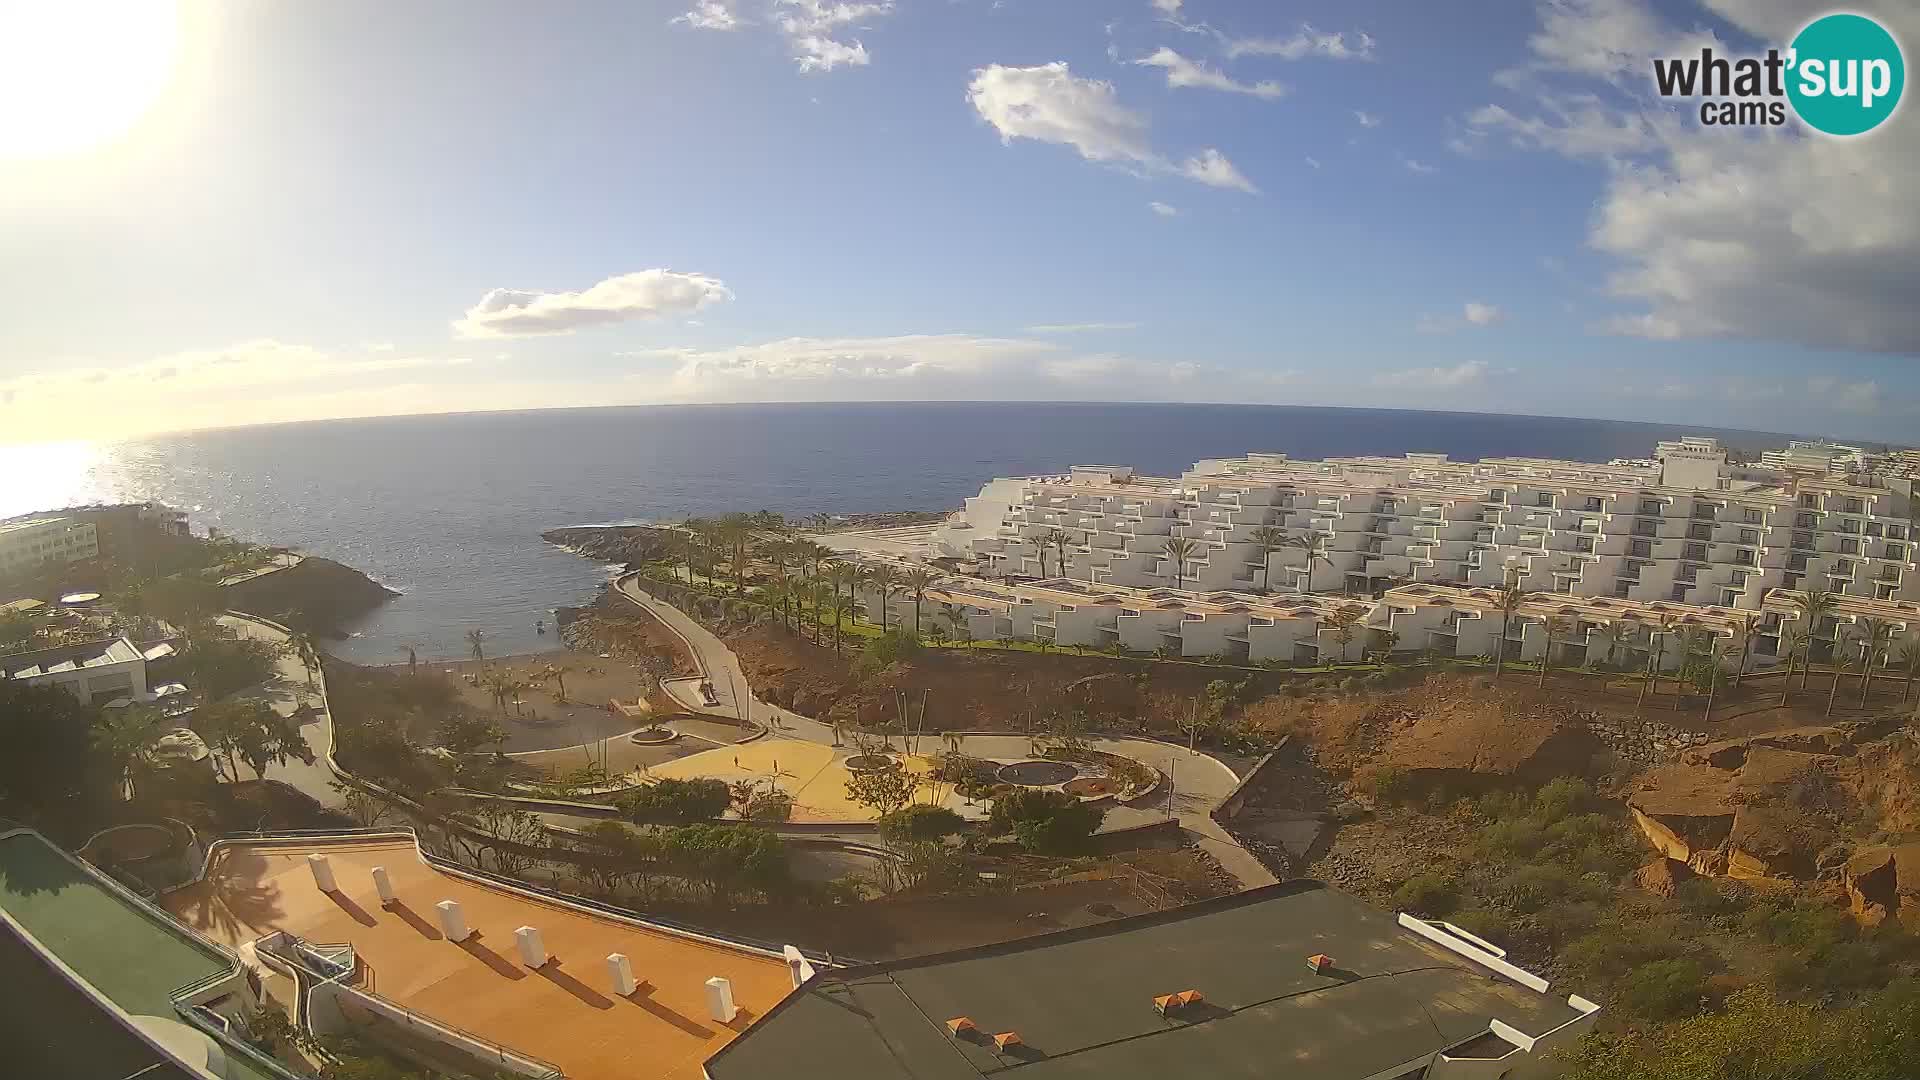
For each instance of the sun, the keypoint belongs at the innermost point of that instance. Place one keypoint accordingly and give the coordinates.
(78, 73)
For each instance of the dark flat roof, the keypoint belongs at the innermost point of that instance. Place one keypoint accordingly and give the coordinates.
(1082, 1001)
(49, 1028)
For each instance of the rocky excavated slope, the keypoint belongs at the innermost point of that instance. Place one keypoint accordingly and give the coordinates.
(317, 595)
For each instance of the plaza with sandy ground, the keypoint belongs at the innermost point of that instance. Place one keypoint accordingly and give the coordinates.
(542, 719)
(813, 773)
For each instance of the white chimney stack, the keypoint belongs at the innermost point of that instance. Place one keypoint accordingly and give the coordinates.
(720, 1000)
(533, 951)
(620, 973)
(453, 921)
(799, 969)
(383, 885)
(322, 873)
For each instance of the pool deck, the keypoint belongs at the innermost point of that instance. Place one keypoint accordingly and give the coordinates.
(565, 1012)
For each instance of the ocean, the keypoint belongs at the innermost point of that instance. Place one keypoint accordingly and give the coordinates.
(449, 509)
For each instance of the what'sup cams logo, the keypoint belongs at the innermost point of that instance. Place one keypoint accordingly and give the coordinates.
(1842, 75)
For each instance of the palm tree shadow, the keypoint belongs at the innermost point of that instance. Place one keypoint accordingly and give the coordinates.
(232, 906)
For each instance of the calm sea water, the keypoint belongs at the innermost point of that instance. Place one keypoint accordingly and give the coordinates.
(449, 509)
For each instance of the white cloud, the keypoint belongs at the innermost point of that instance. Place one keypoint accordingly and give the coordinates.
(1460, 375)
(1049, 103)
(1081, 328)
(1774, 234)
(1305, 43)
(1314, 162)
(1163, 209)
(809, 27)
(379, 346)
(647, 294)
(710, 15)
(1366, 119)
(1167, 7)
(1471, 314)
(1579, 127)
(1183, 72)
(1420, 167)
(926, 366)
(817, 53)
(1213, 169)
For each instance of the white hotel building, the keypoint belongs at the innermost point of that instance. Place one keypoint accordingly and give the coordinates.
(1686, 534)
(35, 542)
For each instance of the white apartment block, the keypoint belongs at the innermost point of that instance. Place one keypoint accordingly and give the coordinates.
(1410, 620)
(1684, 528)
(35, 542)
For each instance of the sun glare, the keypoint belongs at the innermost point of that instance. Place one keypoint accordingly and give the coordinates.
(78, 73)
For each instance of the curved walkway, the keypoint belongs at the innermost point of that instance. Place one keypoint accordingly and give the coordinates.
(1200, 782)
(284, 693)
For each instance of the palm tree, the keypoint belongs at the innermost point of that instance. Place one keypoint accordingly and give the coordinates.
(1657, 637)
(956, 619)
(917, 581)
(846, 574)
(1814, 606)
(1614, 634)
(1058, 539)
(883, 579)
(1314, 543)
(1875, 636)
(122, 739)
(558, 673)
(697, 531)
(1693, 642)
(1840, 634)
(1907, 658)
(1267, 539)
(1794, 641)
(1179, 549)
(841, 607)
(1557, 627)
(1743, 629)
(1511, 597)
(498, 684)
(1039, 546)
(1714, 653)
(413, 660)
(737, 533)
(307, 650)
(477, 644)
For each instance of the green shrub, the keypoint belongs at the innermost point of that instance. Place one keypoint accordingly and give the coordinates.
(1049, 822)
(1427, 895)
(674, 800)
(1528, 889)
(918, 824)
(1392, 784)
(890, 648)
(1613, 949)
(1663, 990)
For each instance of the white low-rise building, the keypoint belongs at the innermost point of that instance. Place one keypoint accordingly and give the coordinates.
(33, 543)
(96, 672)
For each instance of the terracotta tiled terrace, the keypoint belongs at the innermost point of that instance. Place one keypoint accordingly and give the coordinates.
(565, 1012)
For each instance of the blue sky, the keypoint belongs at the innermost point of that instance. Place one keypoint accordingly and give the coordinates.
(357, 208)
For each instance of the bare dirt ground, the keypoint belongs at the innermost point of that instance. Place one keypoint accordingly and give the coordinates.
(629, 635)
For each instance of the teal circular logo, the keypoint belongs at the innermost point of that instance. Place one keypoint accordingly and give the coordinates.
(1845, 74)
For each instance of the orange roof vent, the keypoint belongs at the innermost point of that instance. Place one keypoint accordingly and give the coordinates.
(961, 1026)
(1006, 1039)
(1167, 1003)
(1319, 963)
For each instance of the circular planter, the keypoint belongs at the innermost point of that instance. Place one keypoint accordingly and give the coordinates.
(1088, 787)
(1038, 773)
(868, 762)
(653, 736)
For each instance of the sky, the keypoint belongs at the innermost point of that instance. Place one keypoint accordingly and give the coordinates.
(235, 213)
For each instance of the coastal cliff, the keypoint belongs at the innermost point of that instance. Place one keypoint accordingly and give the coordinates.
(317, 595)
(628, 544)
